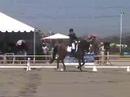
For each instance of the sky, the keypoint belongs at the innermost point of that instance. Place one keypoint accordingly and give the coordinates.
(99, 17)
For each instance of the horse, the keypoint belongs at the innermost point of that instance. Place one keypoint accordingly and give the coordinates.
(61, 51)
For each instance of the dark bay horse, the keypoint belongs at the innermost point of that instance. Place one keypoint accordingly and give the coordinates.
(83, 46)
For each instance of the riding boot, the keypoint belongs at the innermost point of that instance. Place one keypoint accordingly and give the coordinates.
(73, 53)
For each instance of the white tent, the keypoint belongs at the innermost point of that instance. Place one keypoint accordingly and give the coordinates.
(9, 24)
(57, 36)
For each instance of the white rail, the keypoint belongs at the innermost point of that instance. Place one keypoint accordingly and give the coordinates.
(28, 63)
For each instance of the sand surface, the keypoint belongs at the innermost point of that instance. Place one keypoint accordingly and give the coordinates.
(51, 83)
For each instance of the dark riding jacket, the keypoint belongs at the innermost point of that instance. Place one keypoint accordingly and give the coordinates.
(73, 37)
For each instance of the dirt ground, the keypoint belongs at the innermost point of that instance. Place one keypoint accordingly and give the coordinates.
(51, 83)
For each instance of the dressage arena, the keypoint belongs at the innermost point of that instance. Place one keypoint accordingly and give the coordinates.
(42, 80)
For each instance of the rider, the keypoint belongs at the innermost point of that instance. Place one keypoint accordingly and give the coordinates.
(95, 44)
(72, 41)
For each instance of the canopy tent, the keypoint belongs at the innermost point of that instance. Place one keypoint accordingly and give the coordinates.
(57, 36)
(9, 24)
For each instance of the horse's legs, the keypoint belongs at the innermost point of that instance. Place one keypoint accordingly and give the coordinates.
(58, 63)
(53, 57)
(64, 67)
(80, 66)
(83, 62)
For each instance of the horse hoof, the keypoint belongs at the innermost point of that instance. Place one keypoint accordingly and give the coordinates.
(62, 69)
(81, 70)
(78, 67)
(57, 69)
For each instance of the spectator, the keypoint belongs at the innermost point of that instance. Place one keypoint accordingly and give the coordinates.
(45, 49)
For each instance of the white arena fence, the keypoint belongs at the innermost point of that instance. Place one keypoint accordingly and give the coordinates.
(21, 59)
(42, 61)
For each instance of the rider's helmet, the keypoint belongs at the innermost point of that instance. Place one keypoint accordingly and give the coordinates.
(71, 30)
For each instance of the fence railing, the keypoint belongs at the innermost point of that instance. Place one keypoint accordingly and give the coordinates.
(27, 62)
(14, 59)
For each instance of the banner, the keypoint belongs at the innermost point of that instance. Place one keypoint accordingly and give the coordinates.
(89, 58)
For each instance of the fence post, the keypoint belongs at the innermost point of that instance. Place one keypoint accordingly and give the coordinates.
(94, 69)
(4, 59)
(13, 59)
(28, 65)
(128, 68)
(108, 57)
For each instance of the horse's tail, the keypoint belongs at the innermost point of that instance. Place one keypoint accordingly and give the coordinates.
(55, 50)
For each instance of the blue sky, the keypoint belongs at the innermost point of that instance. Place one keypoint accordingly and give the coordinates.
(100, 17)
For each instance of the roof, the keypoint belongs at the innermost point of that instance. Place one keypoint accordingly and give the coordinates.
(10, 24)
(57, 36)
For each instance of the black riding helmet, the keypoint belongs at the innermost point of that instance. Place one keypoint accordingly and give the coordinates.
(71, 30)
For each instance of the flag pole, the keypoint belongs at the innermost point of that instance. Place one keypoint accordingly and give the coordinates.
(34, 45)
(121, 30)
